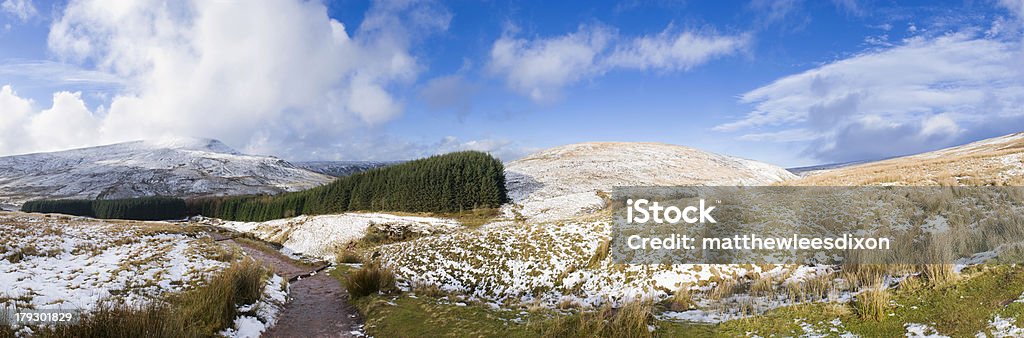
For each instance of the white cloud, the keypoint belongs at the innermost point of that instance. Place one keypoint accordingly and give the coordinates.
(58, 73)
(14, 113)
(772, 11)
(67, 124)
(675, 51)
(850, 6)
(281, 76)
(21, 9)
(502, 149)
(922, 94)
(541, 67)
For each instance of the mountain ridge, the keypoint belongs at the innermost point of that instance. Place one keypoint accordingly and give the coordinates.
(182, 167)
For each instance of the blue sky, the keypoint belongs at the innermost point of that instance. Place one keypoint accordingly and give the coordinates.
(786, 82)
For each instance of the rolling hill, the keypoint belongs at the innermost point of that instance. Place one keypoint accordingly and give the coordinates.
(994, 161)
(567, 180)
(182, 167)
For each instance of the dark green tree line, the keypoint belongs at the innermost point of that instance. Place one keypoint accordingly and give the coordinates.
(443, 183)
(142, 208)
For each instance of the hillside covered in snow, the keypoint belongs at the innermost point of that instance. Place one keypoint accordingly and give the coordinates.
(180, 167)
(565, 181)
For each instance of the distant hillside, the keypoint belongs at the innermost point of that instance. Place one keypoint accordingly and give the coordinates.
(567, 180)
(817, 169)
(184, 167)
(342, 168)
(994, 161)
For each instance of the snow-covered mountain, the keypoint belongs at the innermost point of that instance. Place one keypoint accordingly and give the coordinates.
(565, 181)
(342, 168)
(176, 167)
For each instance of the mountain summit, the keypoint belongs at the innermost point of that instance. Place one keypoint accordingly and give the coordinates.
(183, 167)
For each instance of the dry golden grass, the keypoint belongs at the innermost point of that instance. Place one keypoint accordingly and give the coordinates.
(201, 312)
(872, 304)
(631, 320)
(682, 299)
(989, 162)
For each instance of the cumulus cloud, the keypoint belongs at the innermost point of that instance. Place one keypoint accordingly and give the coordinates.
(21, 9)
(925, 93)
(541, 67)
(282, 75)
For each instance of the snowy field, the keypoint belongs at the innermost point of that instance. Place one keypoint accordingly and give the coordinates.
(51, 262)
(318, 236)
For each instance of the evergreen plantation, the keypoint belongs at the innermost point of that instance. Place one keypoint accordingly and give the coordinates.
(442, 183)
(143, 208)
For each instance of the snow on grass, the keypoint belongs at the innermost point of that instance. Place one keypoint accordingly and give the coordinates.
(916, 330)
(317, 236)
(564, 181)
(259, 317)
(547, 263)
(74, 263)
(1002, 327)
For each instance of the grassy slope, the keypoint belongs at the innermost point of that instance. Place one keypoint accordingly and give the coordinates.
(409, 316)
(959, 309)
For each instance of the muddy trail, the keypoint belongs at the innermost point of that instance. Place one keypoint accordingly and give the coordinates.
(317, 304)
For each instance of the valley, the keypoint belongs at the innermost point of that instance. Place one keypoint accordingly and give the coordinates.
(540, 264)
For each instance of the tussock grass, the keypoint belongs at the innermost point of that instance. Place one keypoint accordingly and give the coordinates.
(631, 320)
(202, 311)
(600, 254)
(428, 290)
(871, 304)
(346, 255)
(762, 286)
(370, 279)
(682, 299)
(724, 288)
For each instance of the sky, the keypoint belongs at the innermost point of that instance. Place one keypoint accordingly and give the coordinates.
(787, 82)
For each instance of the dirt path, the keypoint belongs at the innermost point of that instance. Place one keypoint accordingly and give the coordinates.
(317, 305)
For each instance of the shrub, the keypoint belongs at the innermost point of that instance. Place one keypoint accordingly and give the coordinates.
(370, 279)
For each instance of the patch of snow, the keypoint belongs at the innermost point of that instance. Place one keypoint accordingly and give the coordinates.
(74, 263)
(1001, 327)
(317, 236)
(916, 330)
(262, 315)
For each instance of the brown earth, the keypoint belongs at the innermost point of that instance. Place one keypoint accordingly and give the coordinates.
(317, 304)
